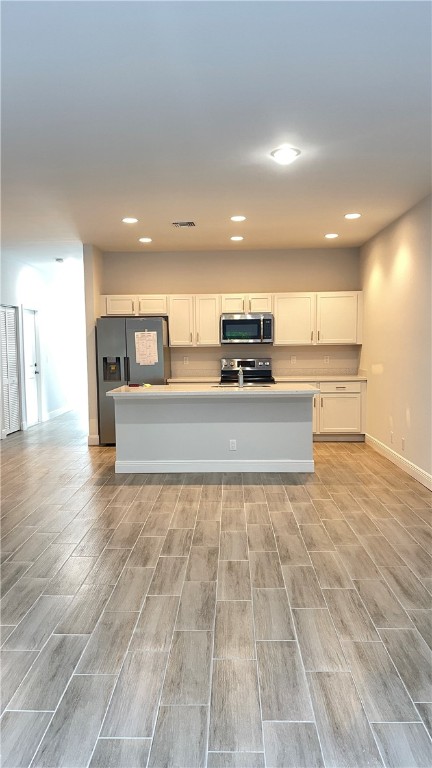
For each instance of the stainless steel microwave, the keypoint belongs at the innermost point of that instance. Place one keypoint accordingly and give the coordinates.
(241, 328)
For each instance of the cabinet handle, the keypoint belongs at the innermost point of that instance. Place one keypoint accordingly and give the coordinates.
(322, 403)
(133, 306)
(314, 402)
(311, 335)
(197, 337)
(191, 336)
(243, 305)
(340, 387)
(318, 335)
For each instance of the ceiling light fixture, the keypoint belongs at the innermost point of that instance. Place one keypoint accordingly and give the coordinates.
(129, 220)
(352, 215)
(59, 261)
(284, 155)
(237, 237)
(145, 239)
(331, 235)
(238, 218)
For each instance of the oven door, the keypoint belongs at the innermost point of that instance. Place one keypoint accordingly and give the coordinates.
(241, 329)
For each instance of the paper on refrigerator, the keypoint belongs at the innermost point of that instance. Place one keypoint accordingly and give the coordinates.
(146, 350)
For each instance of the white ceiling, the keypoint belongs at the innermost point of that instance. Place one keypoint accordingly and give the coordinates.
(168, 111)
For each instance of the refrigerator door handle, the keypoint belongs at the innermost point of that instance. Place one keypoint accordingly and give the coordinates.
(127, 369)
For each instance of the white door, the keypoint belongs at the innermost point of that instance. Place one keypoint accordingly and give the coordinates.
(10, 395)
(31, 368)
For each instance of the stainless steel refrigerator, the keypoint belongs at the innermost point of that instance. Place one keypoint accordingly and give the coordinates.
(129, 350)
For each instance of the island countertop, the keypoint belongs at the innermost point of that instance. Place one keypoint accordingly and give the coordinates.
(207, 390)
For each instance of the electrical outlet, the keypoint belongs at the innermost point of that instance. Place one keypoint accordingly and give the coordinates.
(326, 360)
(403, 443)
(233, 445)
(293, 359)
(185, 361)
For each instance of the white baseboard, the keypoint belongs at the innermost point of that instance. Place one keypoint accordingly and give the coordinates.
(93, 440)
(152, 467)
(411, 469)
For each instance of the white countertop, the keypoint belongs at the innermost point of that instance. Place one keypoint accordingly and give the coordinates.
(282, 389)
(280, 379)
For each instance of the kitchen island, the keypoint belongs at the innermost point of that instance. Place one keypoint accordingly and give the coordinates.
(213, 428)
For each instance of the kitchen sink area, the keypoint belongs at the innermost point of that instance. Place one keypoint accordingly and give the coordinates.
(235, 384)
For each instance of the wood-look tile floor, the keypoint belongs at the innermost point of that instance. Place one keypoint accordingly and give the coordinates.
(174, 621)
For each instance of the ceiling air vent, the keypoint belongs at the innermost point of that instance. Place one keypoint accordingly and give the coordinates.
(183, 223)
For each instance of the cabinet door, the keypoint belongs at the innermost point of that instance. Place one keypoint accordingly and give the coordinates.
(207, 320)
(234, 302)
(337, 318)
(152, 305)
(120, 305)
(294, 318)
(181, 321)
(260, 302)
(315, 414)
(340, 413)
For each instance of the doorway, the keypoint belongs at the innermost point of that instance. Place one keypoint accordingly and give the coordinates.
(31, 368)
(9, 372)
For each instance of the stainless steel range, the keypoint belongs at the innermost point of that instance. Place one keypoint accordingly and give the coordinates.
(257, 371)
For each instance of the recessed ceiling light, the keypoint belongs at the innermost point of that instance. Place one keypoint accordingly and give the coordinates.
(129, 220)
(237, 237)
(145, 239)
(238, 218)
(352, 215)
(331, 235)
(284, 155)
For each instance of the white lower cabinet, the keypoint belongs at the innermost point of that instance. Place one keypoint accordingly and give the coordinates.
(340, 408)
(340, 413)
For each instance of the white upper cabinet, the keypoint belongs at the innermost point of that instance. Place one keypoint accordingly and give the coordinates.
(194, 320)
(181, 320)
(300, 318)
(318, 318)
(207, 320)
(246, 302)
(294, 318)
(152, 304)
(233, 302)
(121, 305)
(259, 302)
(339, 317)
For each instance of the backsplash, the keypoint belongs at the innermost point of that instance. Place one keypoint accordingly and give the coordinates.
(205, 361)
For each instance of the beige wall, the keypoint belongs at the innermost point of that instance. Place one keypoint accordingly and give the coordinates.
(396, 353)
(327, 269)
(92, 281)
